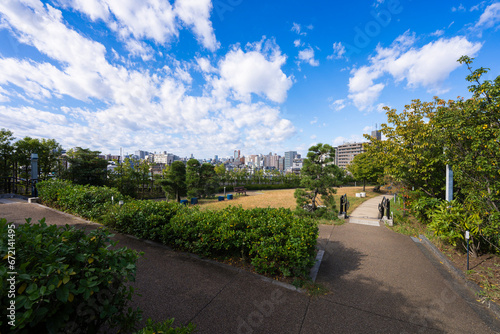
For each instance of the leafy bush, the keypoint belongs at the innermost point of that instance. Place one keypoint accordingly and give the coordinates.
(67, 280)
(144, 219)
(452, 219)
(422, 206)
(89, 202)
(166, 327)
(274, 240)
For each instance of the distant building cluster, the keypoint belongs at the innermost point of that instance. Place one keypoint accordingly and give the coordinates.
(291, 162)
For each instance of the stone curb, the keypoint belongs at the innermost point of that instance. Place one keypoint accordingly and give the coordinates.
(459, 274)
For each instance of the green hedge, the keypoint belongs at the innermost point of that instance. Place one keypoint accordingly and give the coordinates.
(89, 202)
(275, 241)
(66, 280)
(143, 218)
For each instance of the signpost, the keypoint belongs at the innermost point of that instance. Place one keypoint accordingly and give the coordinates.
(467, 237)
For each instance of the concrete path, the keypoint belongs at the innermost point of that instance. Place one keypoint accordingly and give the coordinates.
(367, 213)
(379, 282)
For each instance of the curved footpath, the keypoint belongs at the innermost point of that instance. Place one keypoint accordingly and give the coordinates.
(379, 282)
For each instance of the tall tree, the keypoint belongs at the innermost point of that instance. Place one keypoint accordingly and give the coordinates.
(49, 154)
(6, 157)
(413, 150)
(471, 132)
(366, 167)
(85, 167)
(174, 183)
(319, 177)
(23, 150)
(193, 178)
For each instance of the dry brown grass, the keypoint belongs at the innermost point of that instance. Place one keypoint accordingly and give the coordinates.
(284, 199)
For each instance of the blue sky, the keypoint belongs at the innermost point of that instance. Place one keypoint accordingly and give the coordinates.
(207, 77)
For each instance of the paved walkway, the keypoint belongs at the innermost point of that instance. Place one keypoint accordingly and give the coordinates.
(379, 282)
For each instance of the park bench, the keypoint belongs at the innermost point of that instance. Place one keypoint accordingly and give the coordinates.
(376, 189)
(240, 190)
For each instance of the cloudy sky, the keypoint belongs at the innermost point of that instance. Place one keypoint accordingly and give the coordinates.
(207, 77)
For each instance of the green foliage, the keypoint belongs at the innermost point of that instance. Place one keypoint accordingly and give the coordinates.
(200, 179)
(89, 202)
(174, 183)
(413, 150)
(67, 280)
(464, 134)
(166, 327)
(131, 177)
(422, 206)
(144, 219)
(319, 177)
(85, 167)
(274, 240)
(367, 168)
(452, 219)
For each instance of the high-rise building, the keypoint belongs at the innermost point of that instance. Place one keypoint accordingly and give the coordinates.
(289, 156)
(377, 134)
(346, 152)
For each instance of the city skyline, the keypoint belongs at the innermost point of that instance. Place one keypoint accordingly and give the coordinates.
(206, 77)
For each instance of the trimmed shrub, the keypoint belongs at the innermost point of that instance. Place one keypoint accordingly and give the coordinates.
(144, 219)
(67, 280)
(274, 240)
(89, 202)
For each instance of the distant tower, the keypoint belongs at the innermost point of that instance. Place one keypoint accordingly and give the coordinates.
(289, 156)
(377, 134)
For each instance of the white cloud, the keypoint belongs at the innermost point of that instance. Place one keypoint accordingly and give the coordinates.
(490, 17)
(314, 121)
(127, 107)
(297, 43)
(297, 28)
(153, 20)
(380, 107)
(196, 13)
(338, 105)
(428, 67)
(253, 71)
(438, 33)
(307, 56)
(460, 8)
(338, 51)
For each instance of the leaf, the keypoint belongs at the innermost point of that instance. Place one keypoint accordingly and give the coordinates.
(22, 288)
(71, 297)
(65, 279)
(90, 260)
(62, 294)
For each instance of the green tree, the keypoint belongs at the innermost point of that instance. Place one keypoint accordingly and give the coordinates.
(49, 155)
(209, 178)
(85, 167)
(174, 183)
(413, 150)
(319, 177)
(366, 168)
(23, 150)
(193, 178)
(201, 179)
(471, 132)
(6, 157)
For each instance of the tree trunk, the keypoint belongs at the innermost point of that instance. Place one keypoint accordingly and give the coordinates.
(364, 183)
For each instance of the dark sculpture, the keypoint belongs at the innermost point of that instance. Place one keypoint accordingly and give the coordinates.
(384, 208)
(344, 205)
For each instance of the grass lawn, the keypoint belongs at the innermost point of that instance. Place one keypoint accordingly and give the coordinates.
(283, 199)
